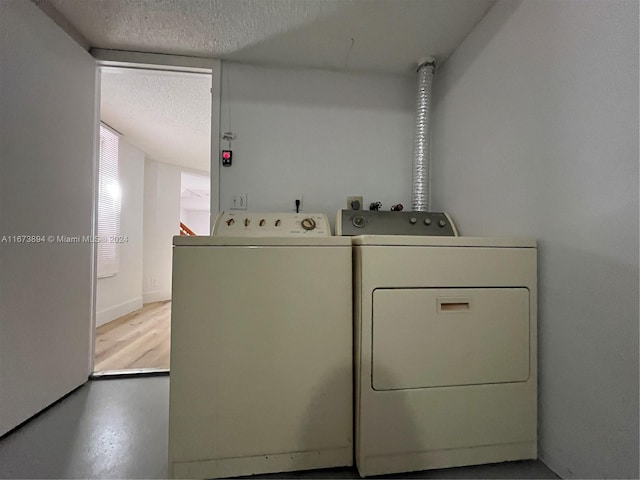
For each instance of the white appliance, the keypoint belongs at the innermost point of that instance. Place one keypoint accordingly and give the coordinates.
(445, 351)
(261, 348)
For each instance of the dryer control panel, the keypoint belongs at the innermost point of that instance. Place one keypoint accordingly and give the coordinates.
(367, 222)
(263, 224)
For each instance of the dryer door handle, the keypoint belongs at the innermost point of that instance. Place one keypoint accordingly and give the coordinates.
(446, 305)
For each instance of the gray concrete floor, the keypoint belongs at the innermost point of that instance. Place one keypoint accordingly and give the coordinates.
(118, 429)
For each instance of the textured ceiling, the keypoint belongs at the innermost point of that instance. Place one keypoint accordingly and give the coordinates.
(364, 35)
(168, 115)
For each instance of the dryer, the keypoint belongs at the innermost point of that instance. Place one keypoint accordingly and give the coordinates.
(444, 345)
(261, 347)
(445, 352)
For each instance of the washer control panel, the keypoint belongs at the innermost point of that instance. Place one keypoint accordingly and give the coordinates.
(261, 224)
(369, 222)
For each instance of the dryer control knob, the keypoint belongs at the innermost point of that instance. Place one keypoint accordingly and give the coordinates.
(413, 220)
(359, 221)
(442, 223)
(308, 223)
(427, 221)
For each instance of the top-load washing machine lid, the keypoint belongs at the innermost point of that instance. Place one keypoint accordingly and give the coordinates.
(206, 241)
(427, 241)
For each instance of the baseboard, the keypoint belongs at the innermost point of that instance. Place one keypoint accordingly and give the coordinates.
(155, 296)
(117, 311)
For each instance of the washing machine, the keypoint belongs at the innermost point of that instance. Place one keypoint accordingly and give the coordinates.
(445, 345)
(261, 347)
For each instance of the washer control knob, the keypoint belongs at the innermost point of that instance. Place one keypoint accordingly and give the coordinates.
(262, 222)
(246, 222)
(427, 221)
(413, 220)
(308, 223)
(442, 223)
(231, 221)
(359, 221)
(278, 222)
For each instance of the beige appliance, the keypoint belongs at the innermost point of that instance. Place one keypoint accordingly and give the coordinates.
(261, 347)
(445, 351)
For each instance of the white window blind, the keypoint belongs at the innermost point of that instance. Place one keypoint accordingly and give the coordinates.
(108, 204)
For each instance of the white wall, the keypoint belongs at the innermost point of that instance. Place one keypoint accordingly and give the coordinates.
(47, 136)
(161, 221)
(536, 133)
(320, 134)
(196, 220)
(195, 200)
(121, 294)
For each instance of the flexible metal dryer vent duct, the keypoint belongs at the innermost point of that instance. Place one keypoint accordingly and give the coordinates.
(421, 160)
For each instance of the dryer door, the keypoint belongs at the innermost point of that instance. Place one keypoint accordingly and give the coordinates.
(436, 337)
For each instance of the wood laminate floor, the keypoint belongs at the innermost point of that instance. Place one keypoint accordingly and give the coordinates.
(138, 340)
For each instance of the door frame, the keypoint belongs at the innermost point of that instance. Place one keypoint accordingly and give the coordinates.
(159, 62)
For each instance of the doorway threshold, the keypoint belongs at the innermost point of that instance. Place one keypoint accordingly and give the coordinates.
(131, 372)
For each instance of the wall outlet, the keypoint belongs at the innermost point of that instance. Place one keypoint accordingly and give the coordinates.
(297, 197)
(154, 282)
(353, 202)
(239, 202)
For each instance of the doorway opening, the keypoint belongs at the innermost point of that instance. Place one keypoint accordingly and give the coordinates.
(162, 121)
(195, 204)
